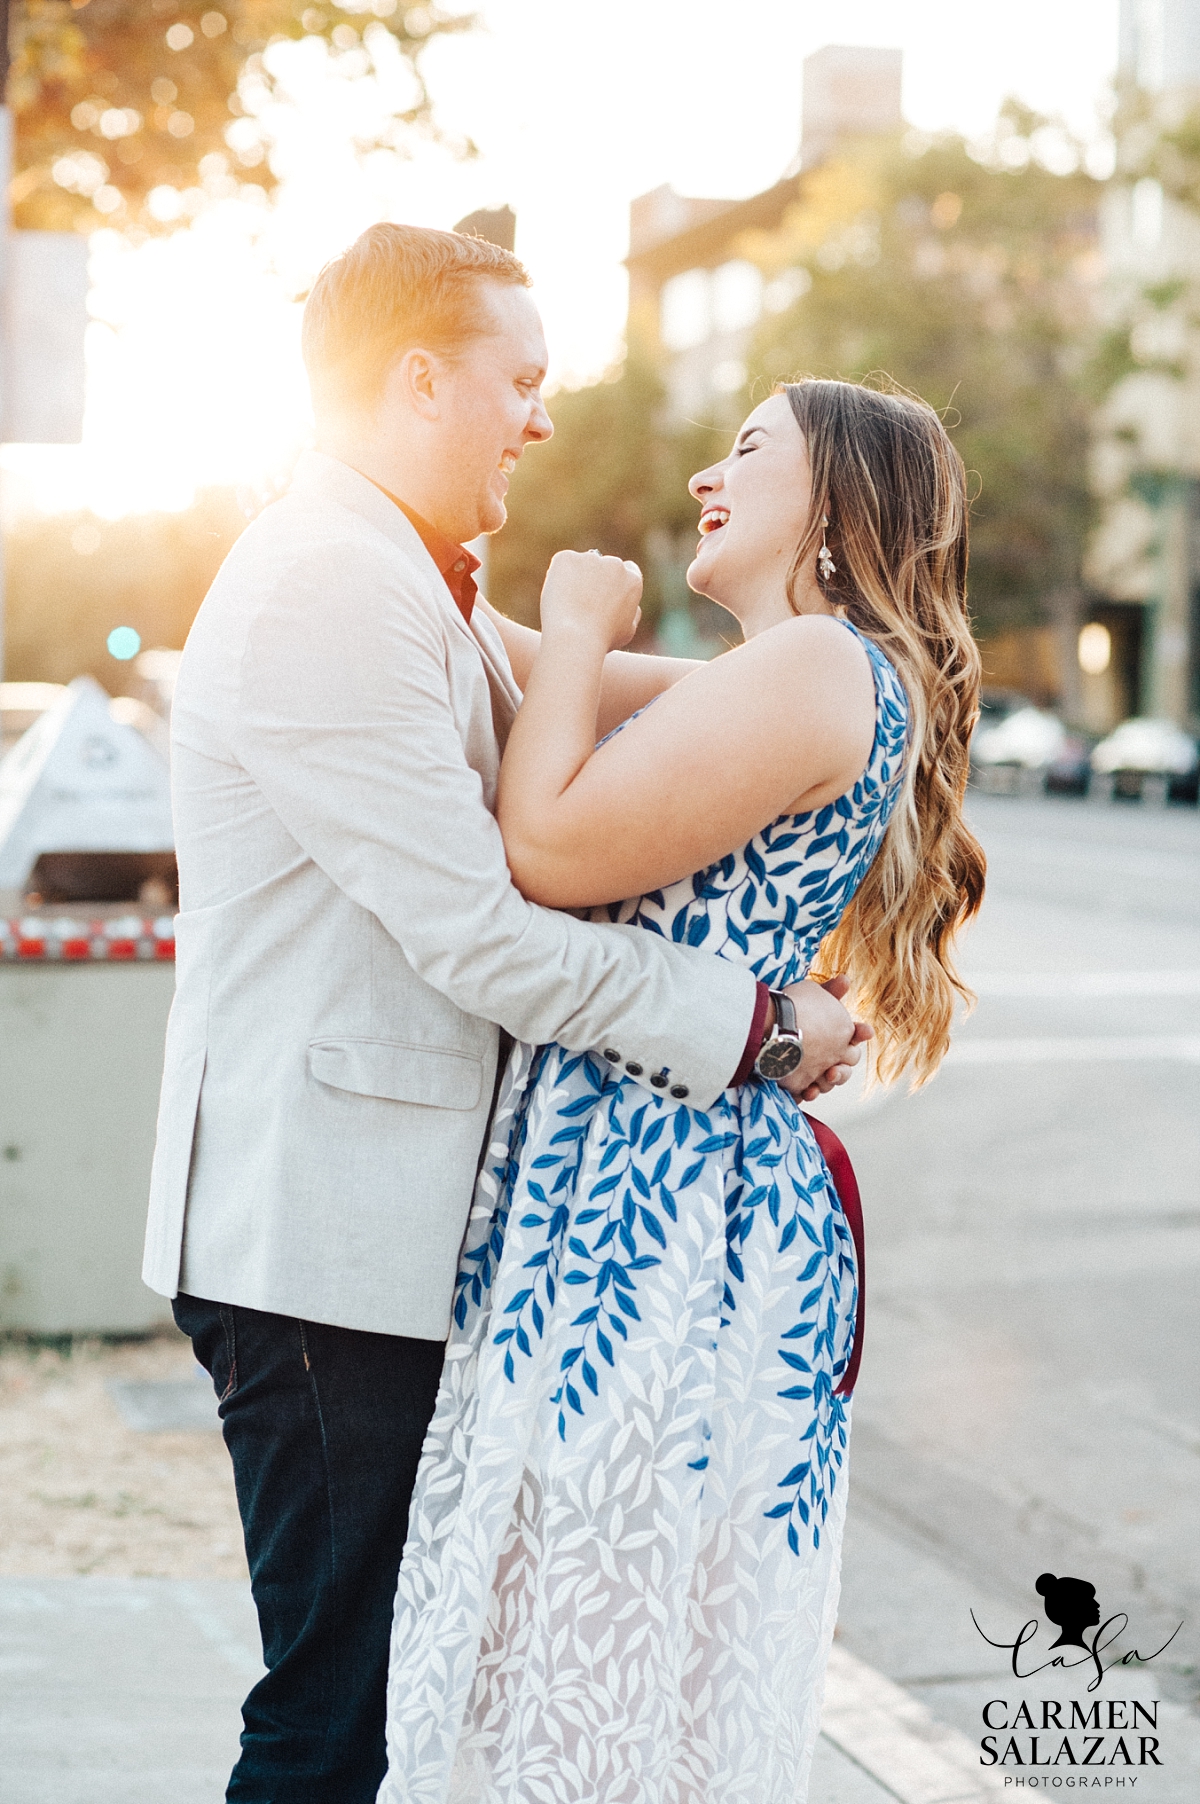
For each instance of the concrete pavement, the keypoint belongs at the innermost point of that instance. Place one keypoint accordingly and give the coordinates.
(122, 1691)
(126, 1691)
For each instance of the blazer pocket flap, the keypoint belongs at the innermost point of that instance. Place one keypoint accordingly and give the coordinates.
(428, 1075)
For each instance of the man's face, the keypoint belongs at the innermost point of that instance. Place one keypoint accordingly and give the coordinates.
(489, 408)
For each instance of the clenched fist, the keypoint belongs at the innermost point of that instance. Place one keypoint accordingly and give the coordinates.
(600, 595)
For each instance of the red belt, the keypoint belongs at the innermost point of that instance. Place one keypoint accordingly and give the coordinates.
(846, 1184)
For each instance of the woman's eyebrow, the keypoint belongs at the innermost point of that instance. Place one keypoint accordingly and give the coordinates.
(745, 433)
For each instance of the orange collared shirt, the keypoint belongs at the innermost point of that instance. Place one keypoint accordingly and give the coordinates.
(455, 562)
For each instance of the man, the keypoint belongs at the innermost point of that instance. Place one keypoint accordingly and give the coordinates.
(349, 945)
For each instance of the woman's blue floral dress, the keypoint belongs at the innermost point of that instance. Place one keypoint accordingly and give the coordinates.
(621, 1574)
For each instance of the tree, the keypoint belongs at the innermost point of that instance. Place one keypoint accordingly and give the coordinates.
(119, 104)
(970, 281)
(72, 578)
(969, 278)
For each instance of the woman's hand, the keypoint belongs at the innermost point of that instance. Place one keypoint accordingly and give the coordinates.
(600, 595)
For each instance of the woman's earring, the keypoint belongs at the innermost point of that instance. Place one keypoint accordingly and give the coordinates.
(825, 563)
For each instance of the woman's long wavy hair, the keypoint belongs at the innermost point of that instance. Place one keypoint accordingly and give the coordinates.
(894, 490)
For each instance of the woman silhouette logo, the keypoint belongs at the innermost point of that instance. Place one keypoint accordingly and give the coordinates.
(1071, 1604)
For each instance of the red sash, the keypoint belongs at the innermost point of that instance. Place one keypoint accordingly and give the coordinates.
(846, 1184)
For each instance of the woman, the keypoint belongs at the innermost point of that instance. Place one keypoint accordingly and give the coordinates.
(621, 1575)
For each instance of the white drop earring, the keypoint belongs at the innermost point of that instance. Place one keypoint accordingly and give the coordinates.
(825, 564)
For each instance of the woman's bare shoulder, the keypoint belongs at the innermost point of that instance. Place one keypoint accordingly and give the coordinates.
(806, 640)
(810, 663)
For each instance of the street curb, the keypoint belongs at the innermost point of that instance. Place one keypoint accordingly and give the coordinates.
(897, 1741)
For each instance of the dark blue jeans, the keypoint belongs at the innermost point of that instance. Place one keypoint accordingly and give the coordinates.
(324, 1426)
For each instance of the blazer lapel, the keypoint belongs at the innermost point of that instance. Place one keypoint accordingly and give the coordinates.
(506, 697)
(332, 480)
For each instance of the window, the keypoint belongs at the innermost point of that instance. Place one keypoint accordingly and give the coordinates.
(737, 291)
(685, 310)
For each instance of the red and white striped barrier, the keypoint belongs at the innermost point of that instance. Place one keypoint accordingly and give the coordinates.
(67, 939)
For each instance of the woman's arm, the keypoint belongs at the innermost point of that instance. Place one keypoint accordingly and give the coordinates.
(783, 723)
(630, 680)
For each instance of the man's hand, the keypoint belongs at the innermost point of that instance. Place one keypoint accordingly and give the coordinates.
(833, 1042)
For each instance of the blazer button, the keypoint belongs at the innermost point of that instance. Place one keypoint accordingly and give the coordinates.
(613, 1057)
(634, 1069)
(679, 1091)
(659, 1080)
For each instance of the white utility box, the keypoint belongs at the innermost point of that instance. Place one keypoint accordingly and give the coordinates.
(81, 1052)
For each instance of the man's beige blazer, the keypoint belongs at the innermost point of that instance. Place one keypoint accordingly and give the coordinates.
(349, 936)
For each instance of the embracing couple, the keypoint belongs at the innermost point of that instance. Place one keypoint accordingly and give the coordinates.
(480, 1149)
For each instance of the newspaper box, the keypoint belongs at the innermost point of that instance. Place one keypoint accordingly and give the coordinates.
(86, 981)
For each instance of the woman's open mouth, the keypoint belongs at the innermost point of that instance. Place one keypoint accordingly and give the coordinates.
(712, 520)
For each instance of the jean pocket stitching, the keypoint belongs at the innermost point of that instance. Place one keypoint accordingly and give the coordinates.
(228, 1324)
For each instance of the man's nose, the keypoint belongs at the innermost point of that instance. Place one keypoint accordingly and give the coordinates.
(541, 426)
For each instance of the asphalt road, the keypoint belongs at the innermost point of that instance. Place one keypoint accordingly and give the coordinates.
(1030, 1392)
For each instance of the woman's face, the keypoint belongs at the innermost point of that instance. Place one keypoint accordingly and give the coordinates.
(754, 509)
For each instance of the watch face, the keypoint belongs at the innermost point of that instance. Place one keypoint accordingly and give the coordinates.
(779, 1058)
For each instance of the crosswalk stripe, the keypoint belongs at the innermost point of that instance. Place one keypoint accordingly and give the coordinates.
(1092, 1050)
(1085, 983)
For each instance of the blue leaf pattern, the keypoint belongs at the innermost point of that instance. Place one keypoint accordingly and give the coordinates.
(637, 1267)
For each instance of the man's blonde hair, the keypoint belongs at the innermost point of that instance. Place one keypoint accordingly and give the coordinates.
(395, 288)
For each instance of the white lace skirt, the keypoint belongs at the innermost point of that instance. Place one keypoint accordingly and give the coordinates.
(621, 1575)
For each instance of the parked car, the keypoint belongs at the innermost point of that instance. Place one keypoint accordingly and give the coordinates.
(1152, 759)
(1011, 750)
(1029, 738)
(1069, 772)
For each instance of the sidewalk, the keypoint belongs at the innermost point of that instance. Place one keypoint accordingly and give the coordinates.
(126, 1691)
(127, 1635)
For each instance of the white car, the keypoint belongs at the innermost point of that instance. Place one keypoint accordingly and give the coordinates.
(1029, 738)
(1154, 747)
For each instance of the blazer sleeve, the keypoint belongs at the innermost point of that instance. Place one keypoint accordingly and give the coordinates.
(344, 720)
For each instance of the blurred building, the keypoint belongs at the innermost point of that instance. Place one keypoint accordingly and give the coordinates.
(1145, 557)
(695, 295)
(848, 92)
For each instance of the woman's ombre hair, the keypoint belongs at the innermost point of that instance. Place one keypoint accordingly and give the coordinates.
(894, 490)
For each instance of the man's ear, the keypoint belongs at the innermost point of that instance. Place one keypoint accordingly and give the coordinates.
(413, 382)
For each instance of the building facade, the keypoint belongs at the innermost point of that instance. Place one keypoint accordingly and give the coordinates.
(697, 290)
(1145, 555)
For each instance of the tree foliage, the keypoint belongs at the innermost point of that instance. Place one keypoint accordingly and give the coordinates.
(1158, 143)
(114, 99)
(968, 279)
(72, 578)
(970, 282)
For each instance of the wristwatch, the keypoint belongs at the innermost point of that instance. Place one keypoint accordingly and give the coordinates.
(783, 1053)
